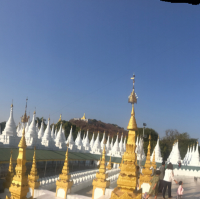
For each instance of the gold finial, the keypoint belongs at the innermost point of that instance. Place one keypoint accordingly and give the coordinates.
(133, 97)
(67, 145)
(49, 118)
(158, 137)
(60, 119)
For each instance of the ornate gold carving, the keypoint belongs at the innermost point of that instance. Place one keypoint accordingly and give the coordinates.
(64, 178)
(146, 172)
(19, 186)
(100, 180)
(33, 177)
(127, 180)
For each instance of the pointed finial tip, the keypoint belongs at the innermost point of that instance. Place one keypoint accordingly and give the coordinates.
(34, 148)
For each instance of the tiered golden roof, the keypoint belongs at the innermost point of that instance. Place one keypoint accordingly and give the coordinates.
(64, 178)
(19, 186)
(100, 180)
(10, 174)
(127, 180)
(146, 172)
(33, 177)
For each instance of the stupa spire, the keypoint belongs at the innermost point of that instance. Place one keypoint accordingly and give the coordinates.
(100, 180)
(127, 180)
(41, 131)
(10, 174)
(145, 178)
(19, 186)
(64, 181)
(10, 128)
(108, 144)
(33, 177)
(92, 141)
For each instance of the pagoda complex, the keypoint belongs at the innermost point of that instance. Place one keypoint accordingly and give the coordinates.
(127, 180)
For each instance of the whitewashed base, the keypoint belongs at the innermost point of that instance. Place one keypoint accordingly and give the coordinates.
(145, 187)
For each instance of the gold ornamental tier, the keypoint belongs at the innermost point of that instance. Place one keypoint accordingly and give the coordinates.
(127, 180)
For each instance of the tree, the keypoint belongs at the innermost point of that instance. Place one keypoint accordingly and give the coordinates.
(39, 120)
(172, 135)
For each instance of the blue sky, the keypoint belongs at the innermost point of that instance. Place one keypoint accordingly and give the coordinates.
(77, 56)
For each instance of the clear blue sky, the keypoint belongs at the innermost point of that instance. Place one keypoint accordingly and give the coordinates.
(77, 56)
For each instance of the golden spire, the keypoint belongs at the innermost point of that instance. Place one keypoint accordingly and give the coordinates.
(100, 180)
(33, 177)
(145, 178)
(127, 180)
(10, 174)
(19, 186)
(83, 118)
(64, 181)
(60, 119)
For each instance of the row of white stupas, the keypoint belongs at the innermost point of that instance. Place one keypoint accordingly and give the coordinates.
(55, 140)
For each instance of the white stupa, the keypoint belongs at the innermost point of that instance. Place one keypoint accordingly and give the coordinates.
(125, 143)
(86, 144)
(27, 125)
(70, 141)
(9, 136)
(175, 155)
(108, 144)
(56, 132)
(121, 145)
(115, 149)
(92, 142)
(31, 136)
(78, 143)
(47, 140)
(37, 128)
(195, 157)
(96, 147)
(41, 131)
(102, 141)
(158, 157)
(52, 132)
(184, 161)
(59, 142)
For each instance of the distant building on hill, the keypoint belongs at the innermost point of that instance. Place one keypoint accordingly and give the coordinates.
(83, 118)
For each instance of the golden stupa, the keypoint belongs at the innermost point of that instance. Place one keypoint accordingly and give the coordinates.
(33, 177)
(10, 174)
(19, 186)
(127, 180)
(64, 181)
(146, 172)
(100, 180)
